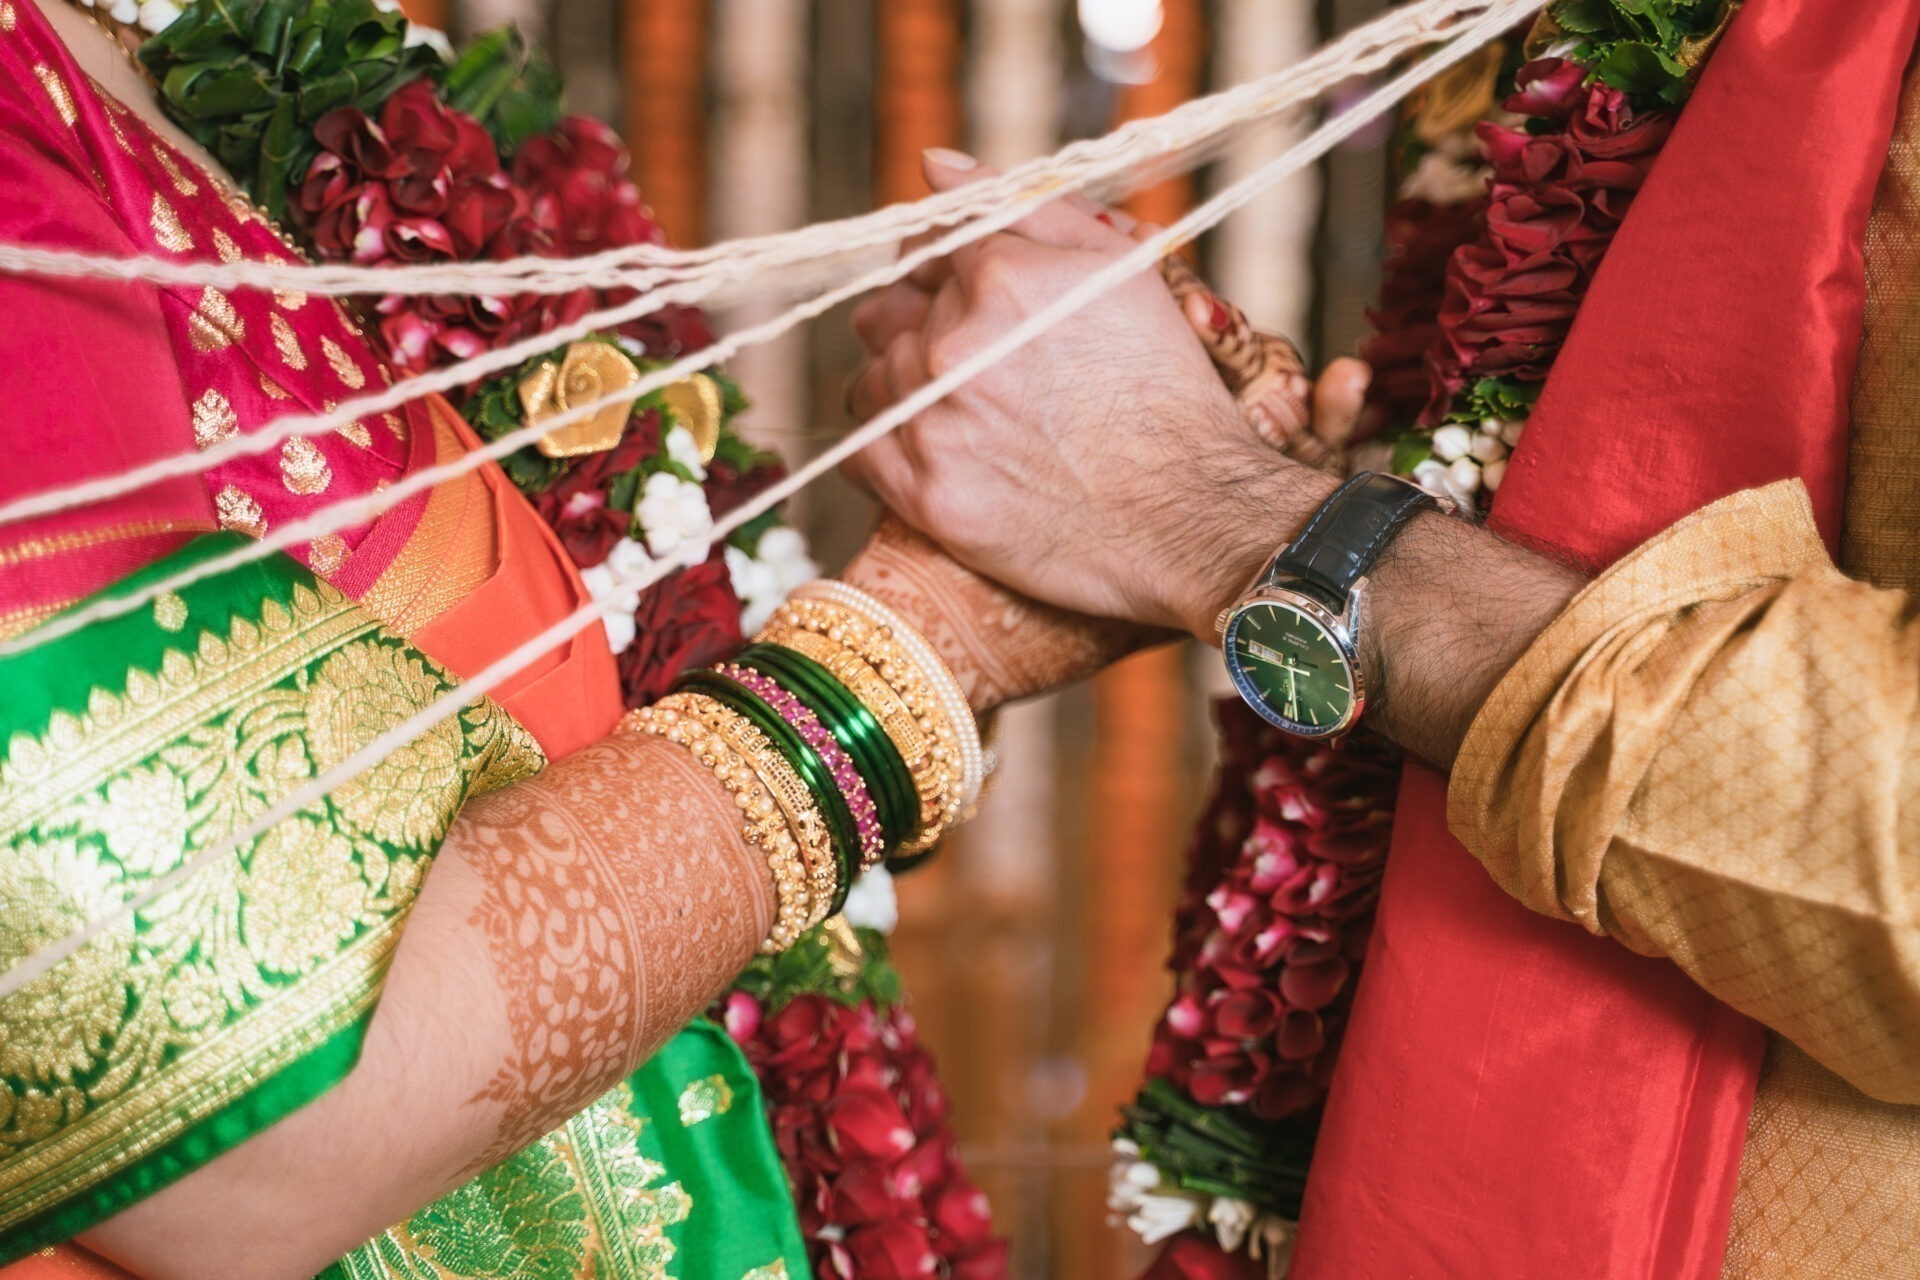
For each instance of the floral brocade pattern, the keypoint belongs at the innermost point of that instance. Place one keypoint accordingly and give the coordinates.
(582, 1201)
(253, 963)
(632, 1188)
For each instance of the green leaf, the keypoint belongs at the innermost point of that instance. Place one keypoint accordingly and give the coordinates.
(1584, 17)
(1634, 68)
(1409, 451)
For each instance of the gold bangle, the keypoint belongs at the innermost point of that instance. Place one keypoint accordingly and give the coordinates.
(938, 780)
(800, 806)
(763, 824)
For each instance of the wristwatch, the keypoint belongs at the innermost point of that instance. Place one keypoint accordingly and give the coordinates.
(1291, 640)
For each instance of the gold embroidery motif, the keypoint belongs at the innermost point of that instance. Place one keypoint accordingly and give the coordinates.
(327, 552)
(291, 299)
(238, 511)
(215, 324)
(7, 17)
(213, 419)
(357, 433)
(182, 183)
(224, 246)
(580, 1203)
(303, 468)
(397, 425)
(166, 227)
(169, 611)
(145, 1033)
(272, 389)
(705, 1099)
(287, 343)
(57, 90)
(775, 1270)
(343, 364)
(119, 134)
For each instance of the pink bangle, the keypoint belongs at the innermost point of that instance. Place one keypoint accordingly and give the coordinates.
(800, 717)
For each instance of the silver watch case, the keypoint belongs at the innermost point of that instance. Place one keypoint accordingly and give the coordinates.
(1342, 626)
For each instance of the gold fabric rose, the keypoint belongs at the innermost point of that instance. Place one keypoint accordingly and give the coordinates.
(585, 372)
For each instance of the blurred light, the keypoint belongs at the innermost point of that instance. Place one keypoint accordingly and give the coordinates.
(1056, 1086)
(1120, 26)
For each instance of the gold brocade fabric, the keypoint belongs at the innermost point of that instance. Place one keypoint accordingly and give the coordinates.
(1714, 756)
(241, 972)
(1830, 1179)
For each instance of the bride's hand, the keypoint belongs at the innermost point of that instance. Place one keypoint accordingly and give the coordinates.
(1310, 421)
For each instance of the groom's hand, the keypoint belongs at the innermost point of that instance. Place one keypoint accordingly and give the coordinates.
(1097, 468)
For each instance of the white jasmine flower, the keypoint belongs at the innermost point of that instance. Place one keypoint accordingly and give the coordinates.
(872, 903)
(1451, 441)
(1491, 426)
(1486, 449)
(1161, 1216)
(784, 550)
(1464, 475)
(1510, 431)
(674, 512)
(157, 15)
(752, 582)
(763, 581)
(1432, 476)
(683, 449)
(1493, 473)
(124, 11)
(627, 559)
(1231, 1220)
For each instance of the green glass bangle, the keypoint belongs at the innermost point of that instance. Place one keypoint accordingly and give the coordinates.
(854, 727)
(803, 759)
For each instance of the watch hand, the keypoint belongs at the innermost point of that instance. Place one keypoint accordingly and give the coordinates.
(1293, 693)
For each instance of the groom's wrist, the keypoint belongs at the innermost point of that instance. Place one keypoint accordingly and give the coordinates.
(1260, 503)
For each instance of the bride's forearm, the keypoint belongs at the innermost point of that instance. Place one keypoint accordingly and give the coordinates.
(570, 925)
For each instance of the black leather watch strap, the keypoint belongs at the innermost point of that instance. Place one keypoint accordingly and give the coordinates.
(1347, 534)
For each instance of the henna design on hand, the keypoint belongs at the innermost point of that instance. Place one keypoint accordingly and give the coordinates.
(1001, 646)
(1263, 370)
(619, 898)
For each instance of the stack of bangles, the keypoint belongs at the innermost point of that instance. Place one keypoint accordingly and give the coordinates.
(844, 739)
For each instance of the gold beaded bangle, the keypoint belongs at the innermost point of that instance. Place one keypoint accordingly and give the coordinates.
(802, 810)
(763, 824)
(939, 780)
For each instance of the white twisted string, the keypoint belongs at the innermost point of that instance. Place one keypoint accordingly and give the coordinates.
(1082, 167)
(1203, 122)
(1498, 15)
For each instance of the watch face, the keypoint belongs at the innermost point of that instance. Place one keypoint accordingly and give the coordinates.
(1290, 668)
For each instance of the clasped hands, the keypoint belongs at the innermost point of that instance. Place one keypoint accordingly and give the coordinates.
(1131, 468)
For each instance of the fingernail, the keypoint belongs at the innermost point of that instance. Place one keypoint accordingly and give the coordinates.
(948, 158)
(1219, 316)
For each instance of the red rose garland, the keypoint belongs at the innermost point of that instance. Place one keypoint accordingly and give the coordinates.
(1554, 205)
(860, 1118)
